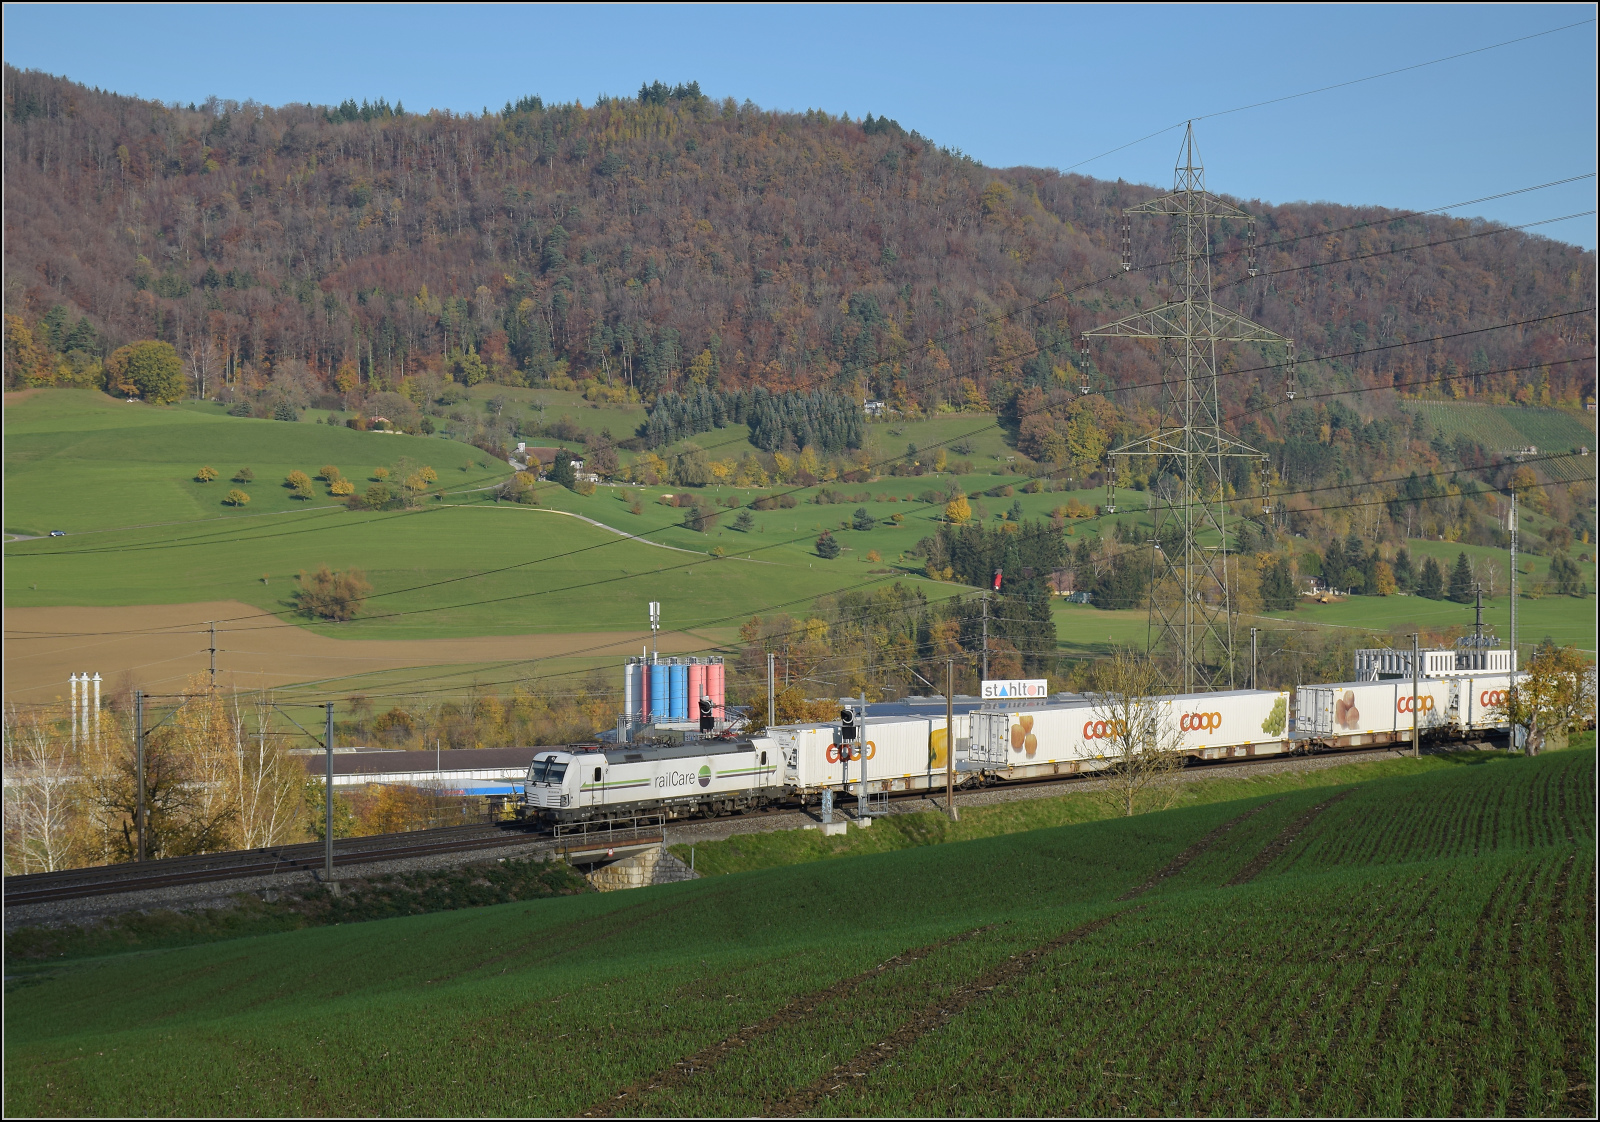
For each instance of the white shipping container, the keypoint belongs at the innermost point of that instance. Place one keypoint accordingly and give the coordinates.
(1082, 731)
(1228, 719)
(897, 748)
(1361, 708)
(1479, 695)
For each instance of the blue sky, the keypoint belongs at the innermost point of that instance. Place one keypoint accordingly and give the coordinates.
(1010, 85)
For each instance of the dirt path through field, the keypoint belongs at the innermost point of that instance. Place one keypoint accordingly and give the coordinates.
(156, 647)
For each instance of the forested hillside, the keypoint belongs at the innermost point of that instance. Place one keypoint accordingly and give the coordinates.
(669, 243)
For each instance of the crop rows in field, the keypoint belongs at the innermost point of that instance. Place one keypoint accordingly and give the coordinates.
(1336, 1000)
(1389, 954)
(1456, 814)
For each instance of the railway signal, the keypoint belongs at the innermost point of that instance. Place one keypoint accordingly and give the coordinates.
(707, 718)
(848, 729)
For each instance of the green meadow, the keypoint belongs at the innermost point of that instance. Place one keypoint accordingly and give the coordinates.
(1391, 944)
(79, 461)
(1566, 620)
(461, 564)
(119, 479)
(439, 571)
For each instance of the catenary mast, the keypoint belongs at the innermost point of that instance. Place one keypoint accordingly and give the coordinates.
(1191, 622)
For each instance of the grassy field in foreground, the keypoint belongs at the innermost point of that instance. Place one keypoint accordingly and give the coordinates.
(1405, 945)
(746, 852)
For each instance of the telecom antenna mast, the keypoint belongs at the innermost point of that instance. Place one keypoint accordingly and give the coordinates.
(1191, 622)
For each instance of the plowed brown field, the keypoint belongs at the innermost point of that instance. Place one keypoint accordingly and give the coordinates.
(156, 647)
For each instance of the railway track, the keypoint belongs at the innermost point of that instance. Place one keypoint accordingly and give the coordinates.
(104, 880)
(36, 888)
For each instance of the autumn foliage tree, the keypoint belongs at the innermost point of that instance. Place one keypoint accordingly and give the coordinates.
(150, 369)
(330, 595)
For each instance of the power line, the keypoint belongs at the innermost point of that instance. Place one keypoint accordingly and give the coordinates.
(959, 437)
(990, 321)
(1389, 218)
(1406, 249)
(1414, 382)
(1325, 89)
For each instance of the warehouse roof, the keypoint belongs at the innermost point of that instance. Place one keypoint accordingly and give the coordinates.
(371, 762)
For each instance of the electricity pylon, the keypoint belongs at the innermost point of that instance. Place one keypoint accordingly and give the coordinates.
(1191, 621)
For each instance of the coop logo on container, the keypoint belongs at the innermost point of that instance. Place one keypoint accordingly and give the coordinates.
(1424, 704)
(994, 689)
(1200, 722)
(1492, 697)
(837, 753)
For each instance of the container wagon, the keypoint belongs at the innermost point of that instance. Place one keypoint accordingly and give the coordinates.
(1077, 736)
(902, 754)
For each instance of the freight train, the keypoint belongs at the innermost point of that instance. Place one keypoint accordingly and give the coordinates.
(1455, 697)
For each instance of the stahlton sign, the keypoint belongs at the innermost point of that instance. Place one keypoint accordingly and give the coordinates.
(1024, 687)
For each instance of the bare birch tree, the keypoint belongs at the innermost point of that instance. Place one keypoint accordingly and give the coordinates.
(265, 784)
(42, 814)
(1141, 745)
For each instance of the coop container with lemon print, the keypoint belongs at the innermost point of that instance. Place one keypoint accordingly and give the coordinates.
(1228, 722)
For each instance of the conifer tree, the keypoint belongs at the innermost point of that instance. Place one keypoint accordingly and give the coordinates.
(1405, 574)
(1431, 583)
(1461, 580)
(1277, 587)
(562, 471)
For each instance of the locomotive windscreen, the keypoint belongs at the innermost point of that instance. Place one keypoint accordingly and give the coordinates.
(548, 771)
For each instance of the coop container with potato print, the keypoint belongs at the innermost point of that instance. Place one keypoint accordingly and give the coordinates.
(1351, 713)
(1008, 738)
(1081, 733)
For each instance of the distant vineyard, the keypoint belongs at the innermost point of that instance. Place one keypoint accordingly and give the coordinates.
(1503, 427)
